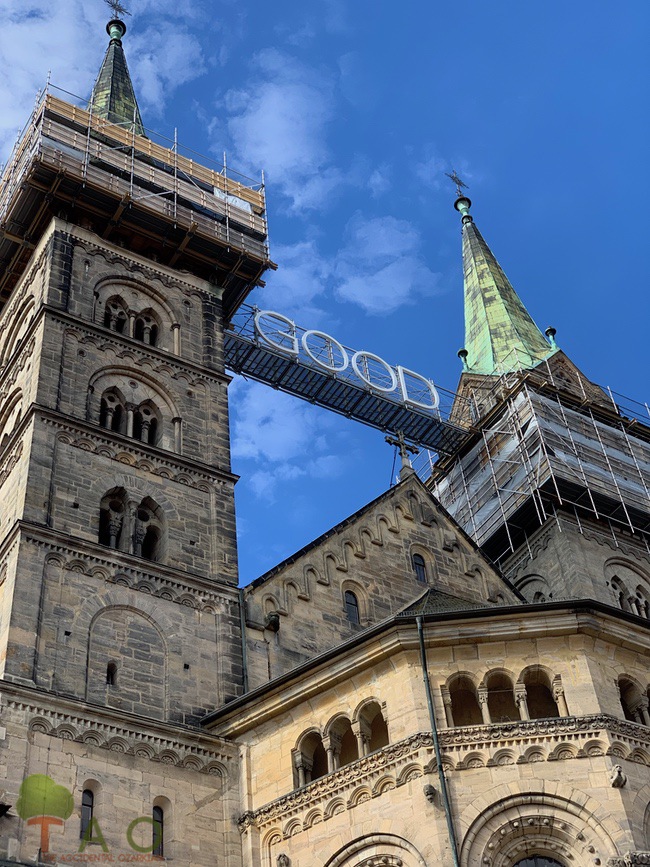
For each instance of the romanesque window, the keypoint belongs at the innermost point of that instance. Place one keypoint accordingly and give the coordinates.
(87, 809)
(142, 422)
(158, 828)
(642, 602)
(373, 730)
(633, 702)
(145, 423)
(501, 698)
(464, 703)
(537, 699)
(146, 328)
(352, 607)
(115, 315)
(419, 567)
(340, 744)
(620, 592)
(135, 528)
(112, 412)
(310, 759)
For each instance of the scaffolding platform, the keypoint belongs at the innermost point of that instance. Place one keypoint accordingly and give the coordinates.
(156, 200)
(345, 394)
(547, 450)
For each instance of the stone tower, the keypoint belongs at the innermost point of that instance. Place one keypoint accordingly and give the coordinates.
(119, 609)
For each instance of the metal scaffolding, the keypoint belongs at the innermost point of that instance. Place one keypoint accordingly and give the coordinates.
(193, 210)
(545, 451)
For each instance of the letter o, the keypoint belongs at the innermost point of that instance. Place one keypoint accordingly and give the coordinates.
(331, 341)
(129, 835)
(362, 376)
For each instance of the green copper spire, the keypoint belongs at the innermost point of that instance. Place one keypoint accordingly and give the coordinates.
(500, 335)
(113, 97)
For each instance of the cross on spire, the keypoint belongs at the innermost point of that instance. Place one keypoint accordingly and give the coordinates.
(117, 7)
(404, 449)
(456, 180)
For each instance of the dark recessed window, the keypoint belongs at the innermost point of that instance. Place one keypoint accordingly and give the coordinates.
(158, 832)
(419, 567)
(352, 607)
(87, 807)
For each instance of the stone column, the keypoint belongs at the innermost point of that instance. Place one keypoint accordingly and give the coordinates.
(332, 744)
(446, 700)
(642, 710)
(176, 333)
(521, 700)
(483, 704)
(362, 734)
(558, 695)
(178, 431)
(131, 326)
(130, 410)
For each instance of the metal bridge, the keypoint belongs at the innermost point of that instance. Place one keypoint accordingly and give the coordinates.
(249, 355)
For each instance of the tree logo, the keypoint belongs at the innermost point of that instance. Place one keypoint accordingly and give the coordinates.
(42, 802)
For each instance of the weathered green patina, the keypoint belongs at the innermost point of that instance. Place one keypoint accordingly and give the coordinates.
(500, 335)
(113, 96)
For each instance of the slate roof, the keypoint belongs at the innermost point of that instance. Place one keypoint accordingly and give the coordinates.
(435, 601)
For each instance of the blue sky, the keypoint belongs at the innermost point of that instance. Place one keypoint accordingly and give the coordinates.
(355, 110)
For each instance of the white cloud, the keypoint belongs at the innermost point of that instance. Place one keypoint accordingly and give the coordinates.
(379, 181)
(278, 123)
(284, 436)
(68, 39)
(165, 56)
(302, 277)
(380, 269)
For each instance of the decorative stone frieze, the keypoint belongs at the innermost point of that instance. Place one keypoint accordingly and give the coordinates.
(196, 752)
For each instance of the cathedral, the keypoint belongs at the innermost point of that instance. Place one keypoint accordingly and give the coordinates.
(457, 675)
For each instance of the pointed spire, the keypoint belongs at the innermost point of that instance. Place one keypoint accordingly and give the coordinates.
(113, 96)
(500, 335)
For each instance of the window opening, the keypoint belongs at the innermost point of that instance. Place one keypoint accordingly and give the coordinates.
(352, 607)
(419, 567)
(111, 674)
(158, 832)
(87, 808)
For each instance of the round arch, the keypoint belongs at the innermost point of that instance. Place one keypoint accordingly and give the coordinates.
(389, 849)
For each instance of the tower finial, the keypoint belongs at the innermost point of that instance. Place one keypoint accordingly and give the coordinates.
(453, 177)
(117, 7)
(462, 203)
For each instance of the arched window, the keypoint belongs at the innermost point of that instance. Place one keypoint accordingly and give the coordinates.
(642, 602)
(501, 698)
(112, 514)
(352, 607)
(539, 695)
(158, 836)
(112, 415)
(633, 703)
(87, 808)
(620, 592)
(145, 423)
(146, 328)
(342, 742)
(419, 567)
(111, 674)
(134, 529)
(115, 316)
(465, 709)
(373, 726)
(310, 759)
